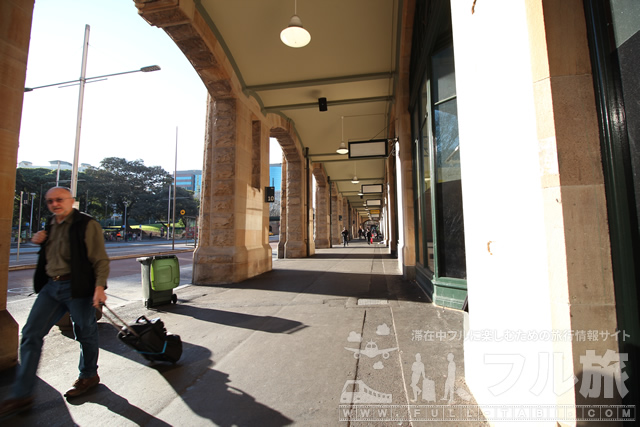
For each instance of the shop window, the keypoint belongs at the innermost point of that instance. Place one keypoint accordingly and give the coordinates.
(426, 183)
(448, 189)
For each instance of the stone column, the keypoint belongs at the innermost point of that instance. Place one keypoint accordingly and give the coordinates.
(15, 30)
(336, 205)
(392, 213)
(261, 163)
(283, 209)
(295, 247)
(354, 223)
(345, 215)
(308, 202)
(295, 201)
(572, 181)
(230, 247)
(323, 219)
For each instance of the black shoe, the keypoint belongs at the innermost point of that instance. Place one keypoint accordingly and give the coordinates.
(11, 407)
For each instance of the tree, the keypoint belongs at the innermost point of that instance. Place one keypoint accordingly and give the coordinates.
(117, 181)
(157, 206)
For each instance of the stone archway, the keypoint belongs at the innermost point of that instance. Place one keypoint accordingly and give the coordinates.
(229, 250)
(293, 224)
(323, 218)
(234, 217)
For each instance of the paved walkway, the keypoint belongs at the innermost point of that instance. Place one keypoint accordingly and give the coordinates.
(296, 346)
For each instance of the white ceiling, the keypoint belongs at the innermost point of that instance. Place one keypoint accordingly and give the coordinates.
(351, 61)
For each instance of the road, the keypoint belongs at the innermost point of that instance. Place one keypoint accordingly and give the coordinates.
(124, 283)
(29, 252)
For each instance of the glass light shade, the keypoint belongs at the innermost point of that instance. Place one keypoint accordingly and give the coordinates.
(295, 35)
(355, 180)
(342, 149)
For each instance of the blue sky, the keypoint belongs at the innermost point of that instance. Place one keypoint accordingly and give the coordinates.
(132, 116)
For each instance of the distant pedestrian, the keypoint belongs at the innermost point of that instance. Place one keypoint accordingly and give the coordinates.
(369, 238)
(345, 236)
(71, 275)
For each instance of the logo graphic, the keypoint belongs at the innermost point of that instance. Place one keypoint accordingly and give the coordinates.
(356, 391)
(383, 329)
(371, 350)
(354, 337)
(428, 389)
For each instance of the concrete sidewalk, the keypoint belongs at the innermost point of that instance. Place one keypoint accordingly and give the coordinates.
(296, 346)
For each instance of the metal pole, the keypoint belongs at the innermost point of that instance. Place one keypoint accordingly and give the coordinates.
(169, 213)
(125, 221)
(83, 73)
(19, 227)
(33, 198)
(175, 180)
(39, 207)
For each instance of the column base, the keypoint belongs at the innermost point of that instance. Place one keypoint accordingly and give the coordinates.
(214, 266)
(322, 244)
(295, 250)
(8, 341)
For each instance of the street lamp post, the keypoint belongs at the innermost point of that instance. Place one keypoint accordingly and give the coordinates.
(82, 81)
(125, 220)
(33, 198)
(19, 226)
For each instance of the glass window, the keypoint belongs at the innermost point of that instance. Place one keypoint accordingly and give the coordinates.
(416, 184)
(448, 189)
(426, 207)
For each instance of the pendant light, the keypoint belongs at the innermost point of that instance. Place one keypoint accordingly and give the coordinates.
(355, 174)
(295, 35)
(342, 149)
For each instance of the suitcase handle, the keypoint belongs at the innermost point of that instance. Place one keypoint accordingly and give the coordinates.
(143, 317)
(115, 325)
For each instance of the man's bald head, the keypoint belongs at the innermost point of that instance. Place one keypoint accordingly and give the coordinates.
(60, 202)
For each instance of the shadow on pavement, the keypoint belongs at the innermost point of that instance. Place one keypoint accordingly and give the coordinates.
(349, 256)
(213, 398)
(270, 324)
(48, 408)
(204, 390)
(332, 284)
(103, 395)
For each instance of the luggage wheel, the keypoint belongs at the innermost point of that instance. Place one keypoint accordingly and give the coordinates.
(174, 298)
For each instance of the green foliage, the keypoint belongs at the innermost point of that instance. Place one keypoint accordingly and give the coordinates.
(116, 182)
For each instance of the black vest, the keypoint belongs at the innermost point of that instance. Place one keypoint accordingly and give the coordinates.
(83, 279)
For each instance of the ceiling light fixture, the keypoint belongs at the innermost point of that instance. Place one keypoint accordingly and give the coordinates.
(342, 149)
(355, 174)
(295, 35)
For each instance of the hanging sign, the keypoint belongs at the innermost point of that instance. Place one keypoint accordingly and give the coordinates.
(269, 194)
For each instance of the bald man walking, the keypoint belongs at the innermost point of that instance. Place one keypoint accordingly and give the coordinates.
(71, 275)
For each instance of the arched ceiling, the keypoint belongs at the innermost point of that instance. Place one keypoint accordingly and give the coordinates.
(351, 61)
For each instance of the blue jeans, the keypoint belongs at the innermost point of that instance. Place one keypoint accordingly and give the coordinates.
(53, 301)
